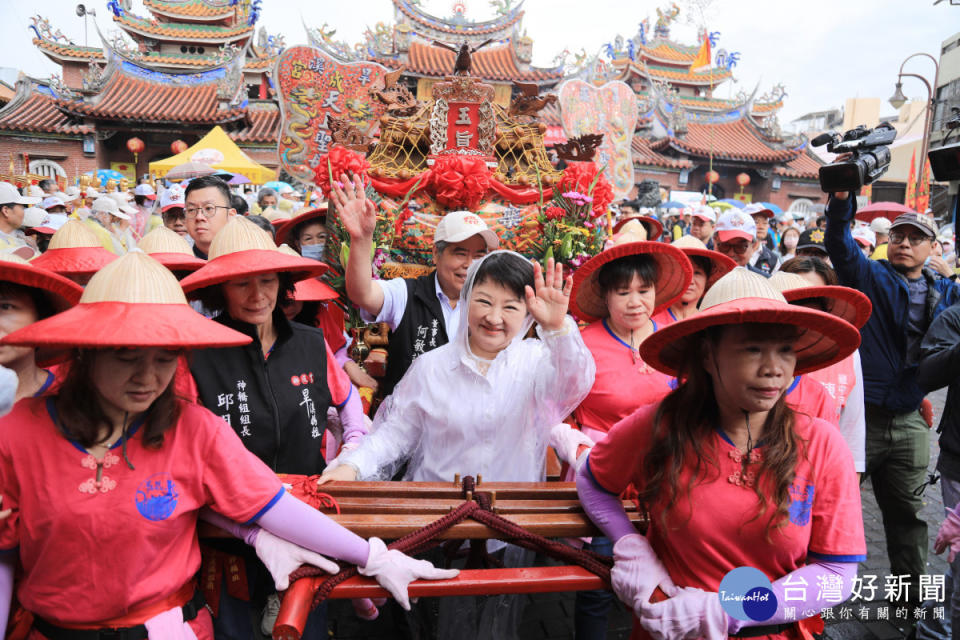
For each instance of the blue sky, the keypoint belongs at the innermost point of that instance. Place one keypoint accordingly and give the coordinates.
(823, 51)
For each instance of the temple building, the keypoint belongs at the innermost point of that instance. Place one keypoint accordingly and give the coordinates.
(172, 76)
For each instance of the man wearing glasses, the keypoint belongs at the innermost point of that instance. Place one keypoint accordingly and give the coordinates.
(906, 298)
(736, 238)
(206, 210)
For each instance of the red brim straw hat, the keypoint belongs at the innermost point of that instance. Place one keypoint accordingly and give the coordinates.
(743, 297)
(309, 289)
(721, 264)
(170, 249)
(846, 303)
(286, 227)
(61, 292)
(242, 249)
(133, 302)
(74, 250)
(674, 274)
(653, 226)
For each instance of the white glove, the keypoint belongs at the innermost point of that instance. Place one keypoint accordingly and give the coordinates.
(395, 570)
(637, 572)
(566, 440)
(169, 625)
(282, 558)
(692, 613)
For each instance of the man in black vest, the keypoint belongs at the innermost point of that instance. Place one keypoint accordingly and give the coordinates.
(422, 313)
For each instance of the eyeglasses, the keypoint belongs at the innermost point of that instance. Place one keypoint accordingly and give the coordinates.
(208, 211)
(738, 248)
(896, 237)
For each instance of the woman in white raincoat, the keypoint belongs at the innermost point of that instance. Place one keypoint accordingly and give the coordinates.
(487, 404)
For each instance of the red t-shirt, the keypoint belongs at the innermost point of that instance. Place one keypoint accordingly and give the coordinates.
(664, 318)
(808, 396)
(92, 554)
(710, 532)
(838, 379)
(330, 320)
(623, 381)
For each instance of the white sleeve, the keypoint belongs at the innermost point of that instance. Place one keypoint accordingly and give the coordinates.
(853, 424)
(565, 379)
(396, 430)
(394, 302)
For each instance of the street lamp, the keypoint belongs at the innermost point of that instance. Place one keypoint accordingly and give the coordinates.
(897, 100)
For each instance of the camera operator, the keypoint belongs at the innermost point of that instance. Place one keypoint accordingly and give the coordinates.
(906, 298)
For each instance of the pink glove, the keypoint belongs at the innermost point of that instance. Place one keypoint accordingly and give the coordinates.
(691, 613)
(948, 535)
(637, 572)
(365, 609)
(169, 625)
(394, 570)
(282, 557)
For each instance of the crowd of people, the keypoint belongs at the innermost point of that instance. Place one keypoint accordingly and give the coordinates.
(738, 374)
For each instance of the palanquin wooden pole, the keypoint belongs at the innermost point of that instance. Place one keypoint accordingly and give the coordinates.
(390, 510)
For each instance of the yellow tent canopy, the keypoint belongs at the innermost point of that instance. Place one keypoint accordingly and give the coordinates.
(220, 152)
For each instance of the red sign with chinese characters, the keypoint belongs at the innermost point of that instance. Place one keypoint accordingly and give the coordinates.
(462, 121)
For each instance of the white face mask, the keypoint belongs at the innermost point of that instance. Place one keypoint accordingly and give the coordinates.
(790, 242)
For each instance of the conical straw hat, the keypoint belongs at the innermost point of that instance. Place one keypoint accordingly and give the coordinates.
(284, 229)
(674, 274)
(310, 289)
(653, 227)
(74, 249)
(742, 297)
(843, 302)
(692, 246)
(241, 249)
(132, 302)
(170, 249)
(62, 293)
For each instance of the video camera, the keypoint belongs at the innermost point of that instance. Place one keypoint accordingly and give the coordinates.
(871, 157)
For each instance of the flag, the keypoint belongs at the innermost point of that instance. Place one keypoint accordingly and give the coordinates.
(923, 197)
(911, 199)
(703, 57)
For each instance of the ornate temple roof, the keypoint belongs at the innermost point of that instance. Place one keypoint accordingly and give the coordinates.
(490, 63)
(262, 123)
(805, 166)
(645, 156)
(498, 28)
(183, 31)
(739, 140)
(701, 77)
(60, 51)
(191, 9)
(33, 108)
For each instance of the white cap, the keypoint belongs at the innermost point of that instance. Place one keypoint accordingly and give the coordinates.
(880, 225)
(10, 195)
(53, 201)
(91, 193)
(864, 234)
(457, 226)
(145, 190)
(72, 192)
(172, 197)
(35, 192)
(33, 217)
(122, 199)
(735, 223)
(52, 222)
(108, 205)
(754, 209)
(705, 213)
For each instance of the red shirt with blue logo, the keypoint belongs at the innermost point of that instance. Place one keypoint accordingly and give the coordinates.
(94, 548)
(713, 530)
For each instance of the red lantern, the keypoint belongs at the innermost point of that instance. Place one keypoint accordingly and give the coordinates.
(135, 145)
(713, 177)
(743, 179)
(178, 146)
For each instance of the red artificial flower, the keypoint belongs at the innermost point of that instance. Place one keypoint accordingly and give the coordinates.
(554, 213)
(578, 176)
(342, 162)
(459, 182)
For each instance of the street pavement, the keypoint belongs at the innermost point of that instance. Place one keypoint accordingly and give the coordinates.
(550, 616)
